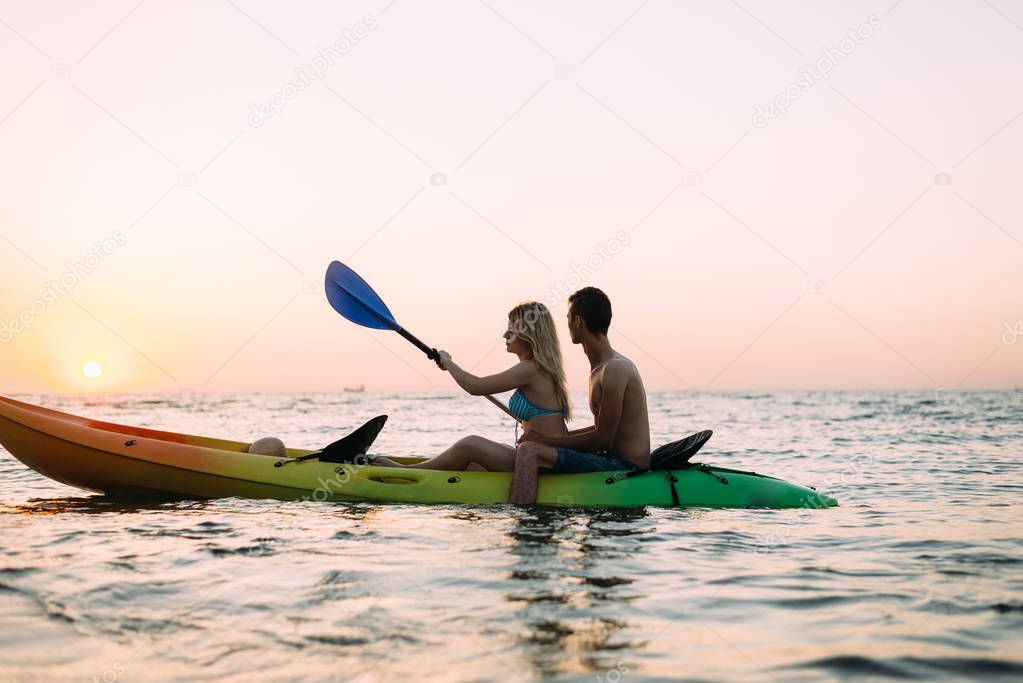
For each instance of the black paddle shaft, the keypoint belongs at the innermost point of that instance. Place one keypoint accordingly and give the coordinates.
(430, 353)
(433, 355)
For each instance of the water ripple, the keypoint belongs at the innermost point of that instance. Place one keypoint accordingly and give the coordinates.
(916, 576)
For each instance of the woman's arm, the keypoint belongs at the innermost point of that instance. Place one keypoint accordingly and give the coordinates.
(519, 375)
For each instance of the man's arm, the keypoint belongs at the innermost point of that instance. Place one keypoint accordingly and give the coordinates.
(601, 436)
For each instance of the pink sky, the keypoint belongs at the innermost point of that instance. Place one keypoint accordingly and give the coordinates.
(466, 156)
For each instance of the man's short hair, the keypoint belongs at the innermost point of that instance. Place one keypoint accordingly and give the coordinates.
(593, 306)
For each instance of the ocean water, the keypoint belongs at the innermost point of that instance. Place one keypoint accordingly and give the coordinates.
(917, 575)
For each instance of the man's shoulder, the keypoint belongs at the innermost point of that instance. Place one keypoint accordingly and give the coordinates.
(622, 367)
(624, 362)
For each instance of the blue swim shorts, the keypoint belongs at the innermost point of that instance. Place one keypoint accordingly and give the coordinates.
(574, 462)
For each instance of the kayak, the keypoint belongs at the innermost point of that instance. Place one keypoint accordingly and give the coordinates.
(119, 460)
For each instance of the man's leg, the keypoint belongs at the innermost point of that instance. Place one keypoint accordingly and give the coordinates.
(530, 458)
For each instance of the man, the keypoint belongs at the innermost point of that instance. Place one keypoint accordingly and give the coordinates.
(620, 436)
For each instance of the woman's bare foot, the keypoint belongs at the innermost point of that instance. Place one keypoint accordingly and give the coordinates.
(381, 461)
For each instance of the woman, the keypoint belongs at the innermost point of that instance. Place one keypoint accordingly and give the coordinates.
(540, 401)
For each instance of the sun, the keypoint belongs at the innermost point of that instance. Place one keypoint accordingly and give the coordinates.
(92, 369)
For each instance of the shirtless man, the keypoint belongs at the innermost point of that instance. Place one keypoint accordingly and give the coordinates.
(620, 436)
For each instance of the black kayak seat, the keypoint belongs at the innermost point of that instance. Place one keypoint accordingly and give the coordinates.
(355, 445)
(676, 455)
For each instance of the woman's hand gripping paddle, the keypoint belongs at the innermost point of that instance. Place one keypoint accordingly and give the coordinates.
(353, 298)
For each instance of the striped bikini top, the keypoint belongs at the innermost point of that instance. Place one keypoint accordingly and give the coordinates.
(524, 409)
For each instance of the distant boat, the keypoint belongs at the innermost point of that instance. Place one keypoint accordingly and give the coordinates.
(356, 390)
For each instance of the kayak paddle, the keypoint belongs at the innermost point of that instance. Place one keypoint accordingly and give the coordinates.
(353, 298)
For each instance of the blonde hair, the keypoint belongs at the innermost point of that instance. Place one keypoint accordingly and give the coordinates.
(532, 322)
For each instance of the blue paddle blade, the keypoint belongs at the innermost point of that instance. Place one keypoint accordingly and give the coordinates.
(353, 298)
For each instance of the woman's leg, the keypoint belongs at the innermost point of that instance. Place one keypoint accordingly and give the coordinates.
(487, 455)
(493, 456)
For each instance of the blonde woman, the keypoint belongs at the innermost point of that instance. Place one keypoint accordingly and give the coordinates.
(540, 401)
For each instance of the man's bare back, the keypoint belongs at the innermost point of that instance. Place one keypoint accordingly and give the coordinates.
(632, 439)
